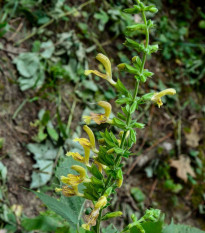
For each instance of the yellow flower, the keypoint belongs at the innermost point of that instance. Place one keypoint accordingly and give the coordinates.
(90, 135)
(75, 180)
(76, 156)
(69, 191)
(85, 143)
(107, 65)
(100, 118)
(157, 96)
(91, 219)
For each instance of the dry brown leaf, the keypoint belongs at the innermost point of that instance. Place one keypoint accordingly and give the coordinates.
(183, 167)
(192, 138)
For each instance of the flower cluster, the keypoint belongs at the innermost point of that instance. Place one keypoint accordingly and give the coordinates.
(105, 167)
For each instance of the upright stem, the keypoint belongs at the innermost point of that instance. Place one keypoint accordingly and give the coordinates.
(129, 117)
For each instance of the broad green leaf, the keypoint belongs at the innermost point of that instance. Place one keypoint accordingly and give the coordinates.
(43, 151)
(68, 208)
(41, 177)
(27, 64)
(44, 154)
(110, 229)
(149, 227)
(179, 228)
(48, 49)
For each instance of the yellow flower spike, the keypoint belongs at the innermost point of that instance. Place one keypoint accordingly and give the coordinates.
(157, 96)
(107, 107)
(102, 201)
(91, 136)
(76, 156)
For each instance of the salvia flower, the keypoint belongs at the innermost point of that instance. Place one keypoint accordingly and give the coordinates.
(91, 219)
(76, 156)
(100, 118)
(69, 191)
(75, 180)
(107, 65)
(157, 96)
(85, 143)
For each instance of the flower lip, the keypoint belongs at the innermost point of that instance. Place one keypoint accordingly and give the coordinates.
(157, 96)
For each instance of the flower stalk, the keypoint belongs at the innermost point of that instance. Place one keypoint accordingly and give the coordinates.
(106, 169)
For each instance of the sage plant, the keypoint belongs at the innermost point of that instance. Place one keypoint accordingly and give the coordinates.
(105, 171)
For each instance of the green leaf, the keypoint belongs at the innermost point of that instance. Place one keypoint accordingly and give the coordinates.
(2, 140)
(149, 227)
(119, 123)
(68, 208)
(110, 229)
(44, 154)
(95, 172)
(133, 44)
(136, 9)
(48, 49)
(27, 64)
(120, 86)
(52, 133)
(138, 195)
(136, 27)
(178, 228)
(3, 171)
(41, 177)
(133, 107)
(41, 222)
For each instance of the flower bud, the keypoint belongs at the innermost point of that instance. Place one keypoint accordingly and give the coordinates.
(121, 67)
(112, 215)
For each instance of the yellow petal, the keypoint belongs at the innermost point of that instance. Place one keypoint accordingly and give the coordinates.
(83, 142)
(106, 63)
(76, 156)
(80, 170)
(96, 72)
(68, 191)
(90, 135)
(157, 96)
(107, 107)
